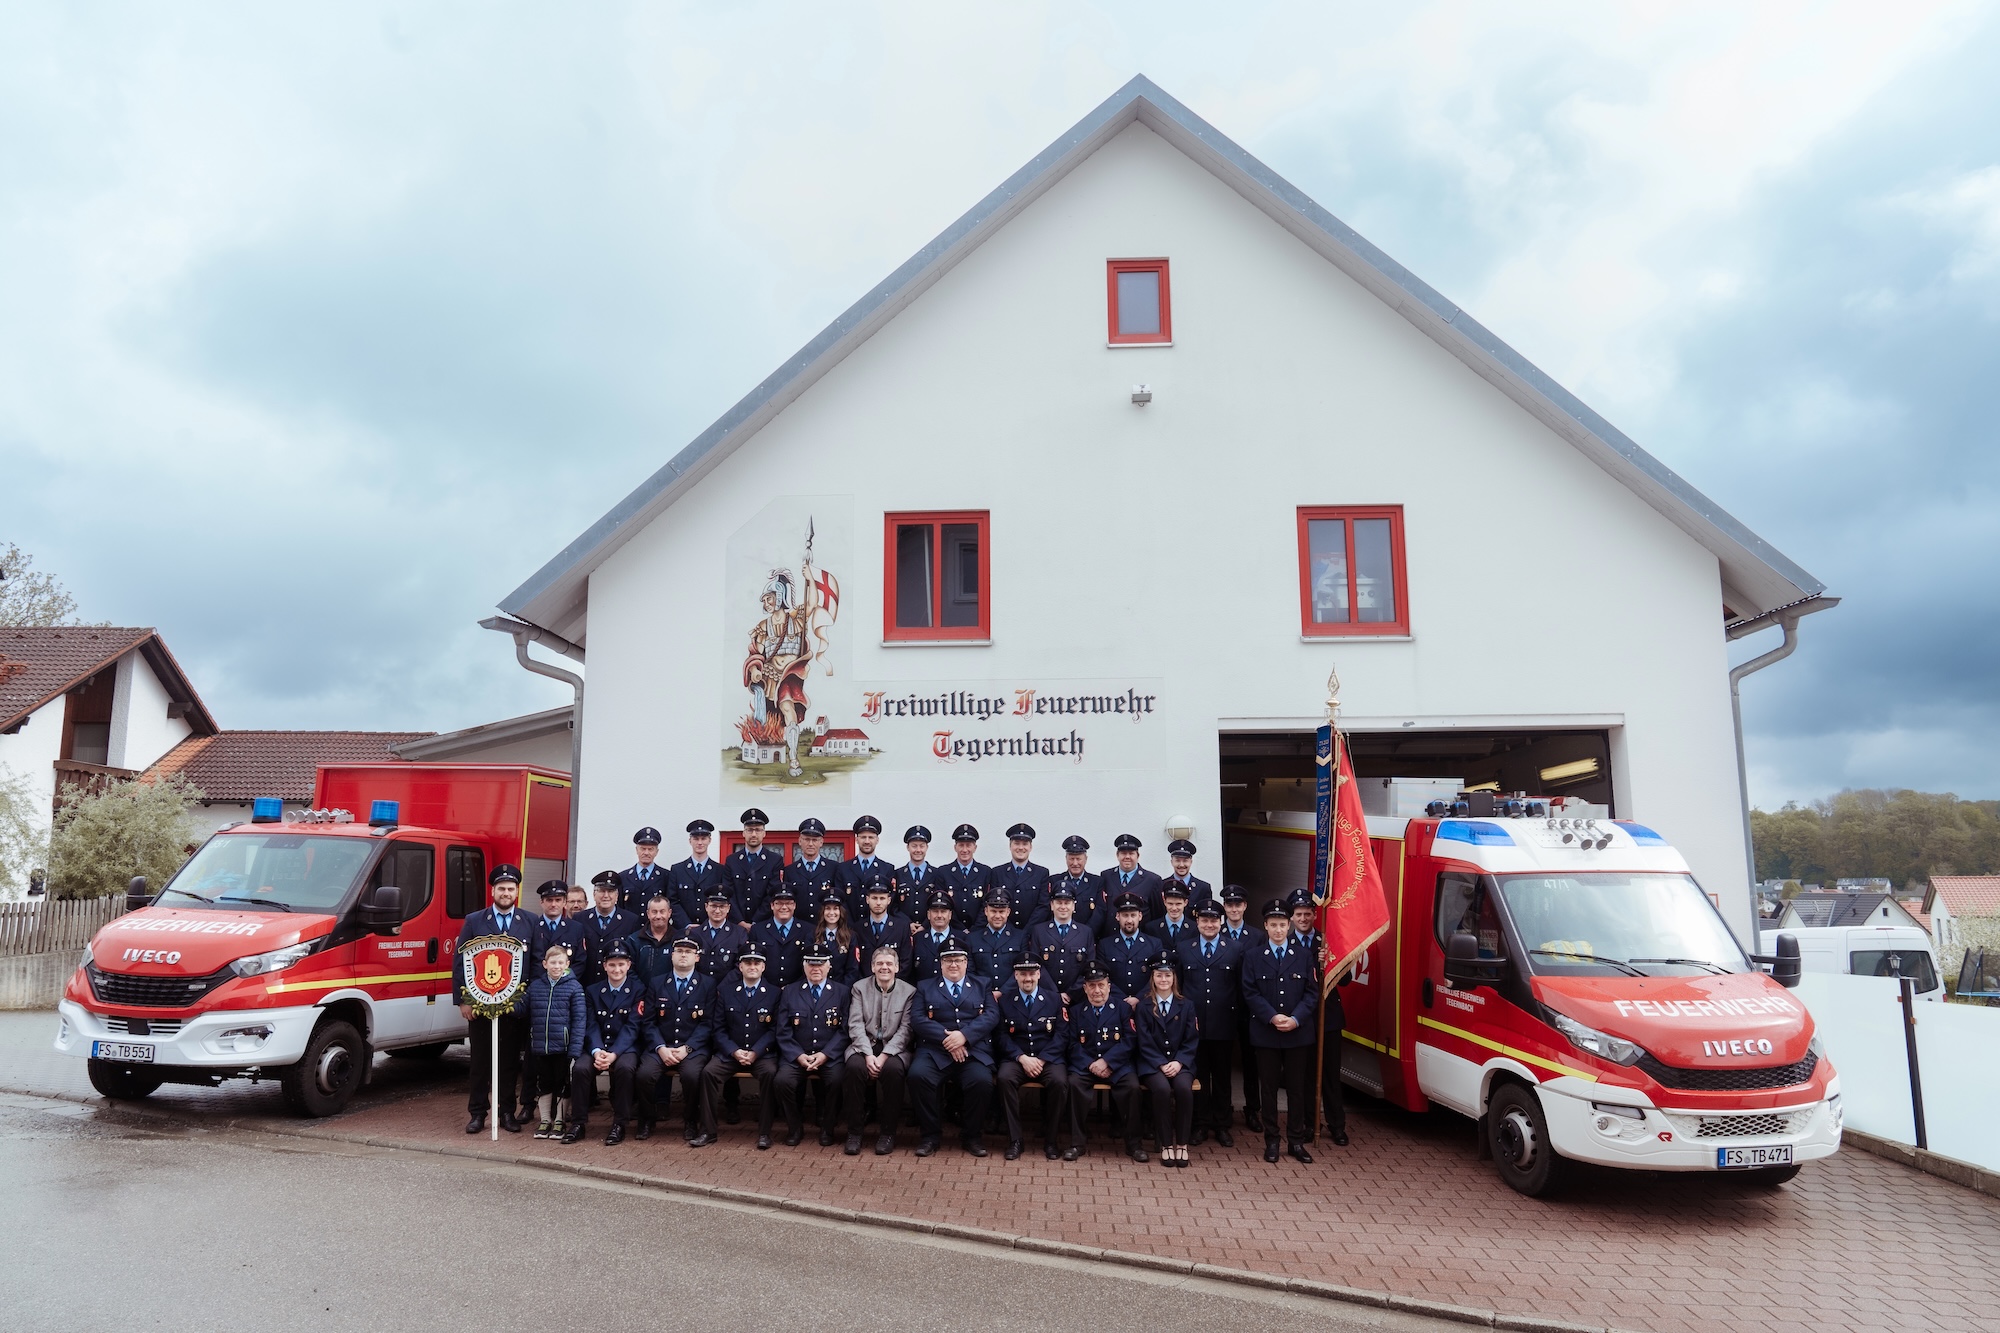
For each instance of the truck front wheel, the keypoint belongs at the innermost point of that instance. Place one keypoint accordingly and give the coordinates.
(326, 1076)
(122, 1083)
(1518, 1133)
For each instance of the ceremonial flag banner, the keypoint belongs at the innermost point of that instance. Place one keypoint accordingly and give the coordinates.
(1347, 885)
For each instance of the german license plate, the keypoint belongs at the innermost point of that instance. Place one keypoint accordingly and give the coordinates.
(131, 1052)
(1746, 1159)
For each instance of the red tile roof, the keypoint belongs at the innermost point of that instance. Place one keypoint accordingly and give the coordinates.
(39, 663)
(1968, 895)
(242, 765)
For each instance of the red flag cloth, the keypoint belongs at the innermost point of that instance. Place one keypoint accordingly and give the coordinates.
(1354, 911)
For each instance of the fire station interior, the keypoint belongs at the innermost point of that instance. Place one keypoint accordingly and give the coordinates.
(1274, 770)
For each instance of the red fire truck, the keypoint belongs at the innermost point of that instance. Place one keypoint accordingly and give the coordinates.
(295, 946)
(1566, 983)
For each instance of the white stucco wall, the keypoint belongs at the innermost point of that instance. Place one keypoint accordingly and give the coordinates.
(1160, 542)
(141, 731)
(31, 753)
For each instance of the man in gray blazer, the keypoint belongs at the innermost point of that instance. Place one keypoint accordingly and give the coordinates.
(878, 1038)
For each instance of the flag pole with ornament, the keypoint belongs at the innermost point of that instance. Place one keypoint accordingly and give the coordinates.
(1347, 885)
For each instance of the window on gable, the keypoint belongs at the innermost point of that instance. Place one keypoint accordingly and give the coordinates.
(1351, 576)
(1141, 307)
(935, 577)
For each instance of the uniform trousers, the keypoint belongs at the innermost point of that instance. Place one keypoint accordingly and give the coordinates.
(722, 1070)
(1213, 1102)
(1289, 1067)
(930, 1072)
(1057, 1090)
(556, 1075)
(624, 1072)
(1125, 1102)
(656, 1089)
(513, 1041)
(1173, 1106)
(888, 1085)
(790, 1086)
(1252, 1093)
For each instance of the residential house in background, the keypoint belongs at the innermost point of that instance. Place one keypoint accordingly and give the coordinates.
(1964, 912)
(233, 768)
(1810, 910)
(533, 738)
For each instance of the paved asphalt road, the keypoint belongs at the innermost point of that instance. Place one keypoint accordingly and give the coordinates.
(118, 1226)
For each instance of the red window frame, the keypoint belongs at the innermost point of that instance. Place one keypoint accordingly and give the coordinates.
(936, 632)
(1398, 569)
(1112, 268)
(838, 845)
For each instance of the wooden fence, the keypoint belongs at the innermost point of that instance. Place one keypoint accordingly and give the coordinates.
(47, 926)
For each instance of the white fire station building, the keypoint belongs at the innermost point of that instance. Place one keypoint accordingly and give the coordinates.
(1068, 520)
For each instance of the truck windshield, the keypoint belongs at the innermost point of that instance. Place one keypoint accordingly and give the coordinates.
(1614, 923)
(287, 872)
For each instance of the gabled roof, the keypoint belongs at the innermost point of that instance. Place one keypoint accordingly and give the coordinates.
(243, 765)
(1756, 578)
(39, 663)
(1966, 895)
(1837, 909)
(450, 744)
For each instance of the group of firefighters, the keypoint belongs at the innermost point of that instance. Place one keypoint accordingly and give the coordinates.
(873, 983)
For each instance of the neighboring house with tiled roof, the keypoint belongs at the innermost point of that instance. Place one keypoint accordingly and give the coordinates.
(1964, 911)
(533, 738)
(1845, 909)
(233, 768)
(85, 704)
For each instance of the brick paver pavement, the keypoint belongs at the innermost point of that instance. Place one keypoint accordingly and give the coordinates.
(1856, 1242)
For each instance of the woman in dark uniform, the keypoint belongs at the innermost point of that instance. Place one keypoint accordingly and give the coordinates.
(1168, 1035)
(833, 933)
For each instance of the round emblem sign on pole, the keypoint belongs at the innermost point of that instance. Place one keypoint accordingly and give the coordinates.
(495, 972)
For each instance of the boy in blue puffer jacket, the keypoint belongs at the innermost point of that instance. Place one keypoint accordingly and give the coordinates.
(557, 1014)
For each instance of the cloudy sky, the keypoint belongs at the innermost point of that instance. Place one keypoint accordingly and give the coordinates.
(323, 326)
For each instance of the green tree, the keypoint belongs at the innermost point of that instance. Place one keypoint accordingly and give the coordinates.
(102, 839)
(21, 845)
(30, 598)
(1898, 835)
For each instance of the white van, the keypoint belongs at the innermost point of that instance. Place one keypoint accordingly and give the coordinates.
(1867, 951)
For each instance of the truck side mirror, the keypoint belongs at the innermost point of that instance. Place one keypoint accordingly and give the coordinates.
(1786, 968)
(1463, 967)
(136, 896)
(382, 910)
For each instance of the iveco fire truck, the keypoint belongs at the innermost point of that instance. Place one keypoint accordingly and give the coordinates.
(295, 946)
(1567, 983)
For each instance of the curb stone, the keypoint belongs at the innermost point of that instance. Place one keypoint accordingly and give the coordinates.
(1464, 1314)
(1529, 1323)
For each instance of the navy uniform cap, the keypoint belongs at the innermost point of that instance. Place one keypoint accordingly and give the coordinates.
(1233, 893)
(1062, 891)
(867, 824)
(553, 888)
(686, 942)
(1129, 902)
(753, 818)
(1276, 907)
(965, 833)
(1296, 899)
(1209, 908)
(605, 879)
(1077, 843)
(812, 826)
(511, 874)
(1025, 832)
(997, 897)
(700, 827)
(818, 953)
(1166, 962)
(618, 950)
(1180, 847)
(1095, 970)
(1173, 888)
(952, 949)
(750, 955)
(782, 892)
(1125, 842)
(916, 833)
(939, 900)
(647, 836)
(1027, 962)
(877, 883)
(717, 896)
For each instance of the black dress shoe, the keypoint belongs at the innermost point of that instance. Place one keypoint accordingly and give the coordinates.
(1298, 1150)
(1223, 1139)
(615, 1137)
(701, 1141)
(1071, 1154)
(885, 1145)
(763, 1142)
(1200, 1137)
(1253, 1122)
(1136, 1153)
(731, 1115)
(644, 1131)
(794, 1138)
(509, 1123)
(853, 1148)
(925, 1147)
(1339, 1137)
(1053, 1153)
(826, 1138)
(977, 1147)
(477, 1123)
(1013, 1153)
(1271, 1153)
(573, 1133)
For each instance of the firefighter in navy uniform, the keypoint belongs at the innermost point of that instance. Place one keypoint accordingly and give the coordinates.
(1033, 1037)
(504, 917)
(995, 945)
(1128, 952)
(645, 877)
(782, 940)
(965, 879)
(1212, 981)
(1128, 876)
(753, 870)
(1180, 855)
(914, 882)
(1325, 1074)
(617, 1020)
(1245, 936)
(1281, 991)
(745, 1040)
(1085, 889)
(651, 944)
(878, 927)
(604, 926)
(811, 877)
(722, 941)
(1065, 948)
(677, 1034)
(1177, 924)
(1104, 1050)
(694, 879)
(812, 1044)
(952, 1018)
(1020, 879)
(554, 927)
(928, 945)
(864, 868)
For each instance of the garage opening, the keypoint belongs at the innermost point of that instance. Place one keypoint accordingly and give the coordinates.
(1268, 784)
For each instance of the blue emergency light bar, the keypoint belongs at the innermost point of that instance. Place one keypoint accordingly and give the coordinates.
(267, 810)
(382, 813)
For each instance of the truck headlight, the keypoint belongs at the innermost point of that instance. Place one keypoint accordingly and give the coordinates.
(1600, 1044)
(258, 964)
(86, 960)
(1817, 1047)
